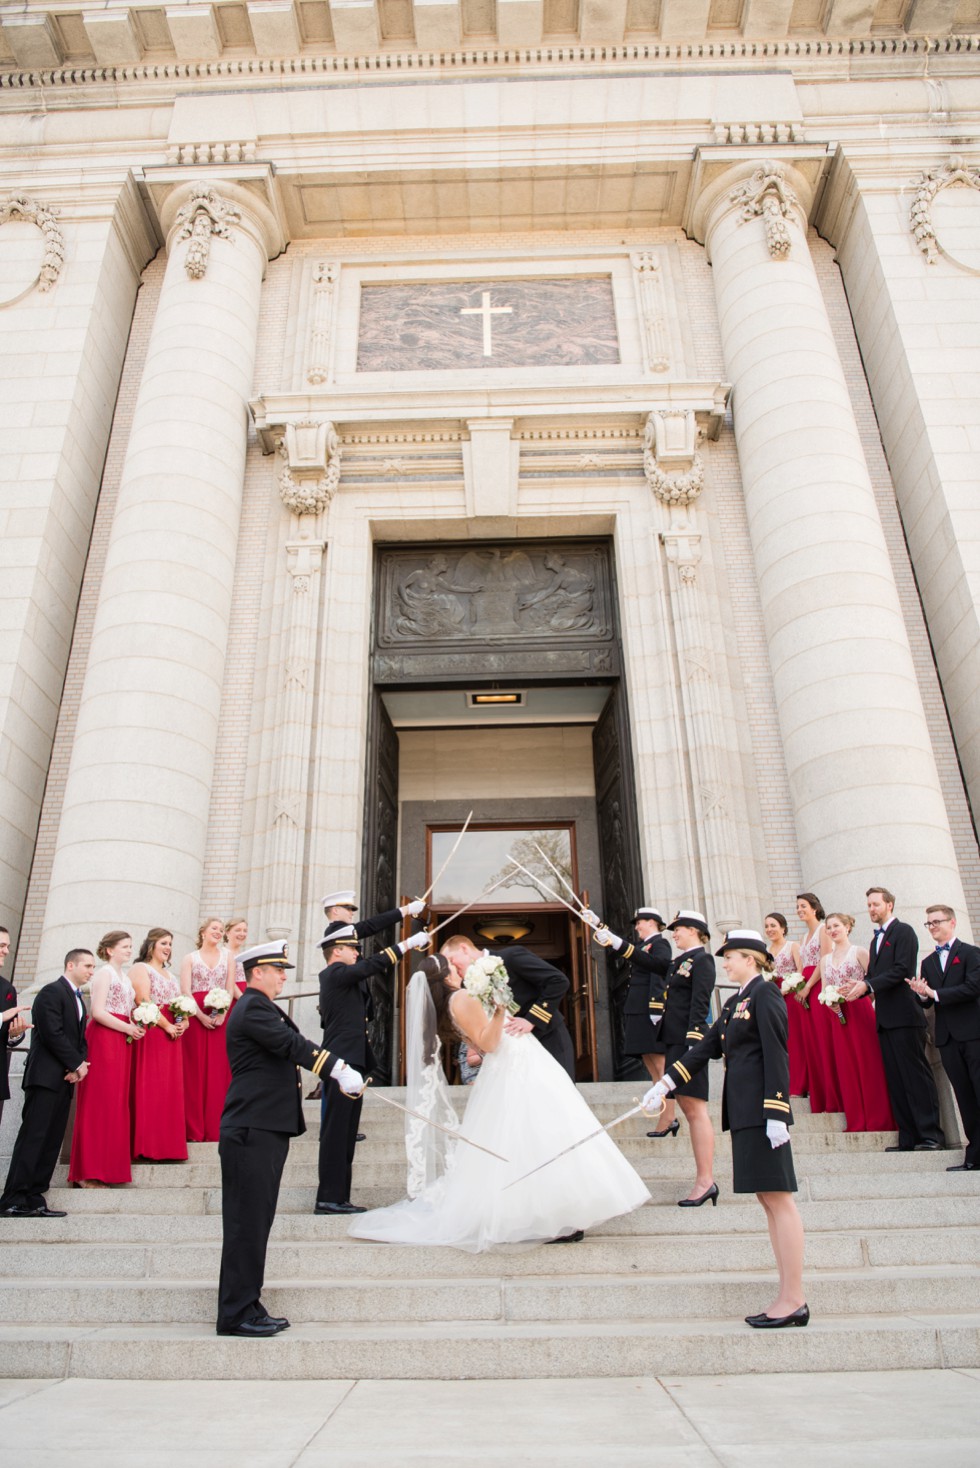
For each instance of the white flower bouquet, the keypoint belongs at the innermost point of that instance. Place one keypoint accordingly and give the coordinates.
(793, 984)
(486, 979)
(146, 1016)
(217, 1000)
(183, 1007)
(834, 999)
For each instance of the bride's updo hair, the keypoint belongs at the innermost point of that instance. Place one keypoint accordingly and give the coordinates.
(436, 969)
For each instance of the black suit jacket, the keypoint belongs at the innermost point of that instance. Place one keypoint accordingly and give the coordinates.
(649, 963)
(896, 1006)
(958, 987)
(538, 988)
(751, 1033)
(265, 1052)
(58, 1038)
(369, 926)
(8, 998)
(346, 1007)
(690, 985)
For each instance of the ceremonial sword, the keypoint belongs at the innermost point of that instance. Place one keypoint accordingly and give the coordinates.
(548, 892)
(449, 858)
(634, 1111)
(567, 885)
(485, 893)
(427, 1119)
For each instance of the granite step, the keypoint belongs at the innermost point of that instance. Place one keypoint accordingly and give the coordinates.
(495, 1350)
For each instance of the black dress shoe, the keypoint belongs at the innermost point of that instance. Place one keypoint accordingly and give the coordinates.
(711, 1193)
(899, 1149)
(964, 1167)
(928, 1147)
(21, 1210)
(255, 1329)
(279, 1321)
(779, 1322)
(575, 1238)
(338, 1208)
(360, 1137)
(46, 1212)
(668, 1131)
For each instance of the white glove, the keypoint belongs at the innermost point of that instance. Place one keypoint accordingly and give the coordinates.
(417, 940)
(592, 918)
(412, 909)
(656, 1018)
(607, 939)
(778, 1133)
(348, 1079)
(657, 1095)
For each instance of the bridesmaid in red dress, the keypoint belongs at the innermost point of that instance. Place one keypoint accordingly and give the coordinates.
(821, 1063)
(860, 1070)
(236, 936)
(207, 1074)
(786, 957)
(101, 1139)
(158, 1069)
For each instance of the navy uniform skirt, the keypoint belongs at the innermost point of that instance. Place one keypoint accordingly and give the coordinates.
(697, 1086)
(758, 1166)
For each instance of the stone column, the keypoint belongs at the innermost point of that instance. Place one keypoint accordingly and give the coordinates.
(131, 842)
(862, 772)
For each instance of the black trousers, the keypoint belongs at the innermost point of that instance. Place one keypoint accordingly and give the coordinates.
(911, 1088)
(339, 1119)
(961, 1062)
(558, 1042)
(38, 1144)
(252, 1161)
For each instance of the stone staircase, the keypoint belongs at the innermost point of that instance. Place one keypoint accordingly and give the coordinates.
(126, 1283)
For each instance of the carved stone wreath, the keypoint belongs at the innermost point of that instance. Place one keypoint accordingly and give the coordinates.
(920, 214)
(310, 493)
(673, 486)
(22, 206)
(767, 193)
(205, 214)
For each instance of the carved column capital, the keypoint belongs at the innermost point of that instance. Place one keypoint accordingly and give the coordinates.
(310, 456)
(673, 467)
(777, 190)
(197, 211)
(682, 545)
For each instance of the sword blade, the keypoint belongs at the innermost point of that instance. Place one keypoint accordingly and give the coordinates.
(450, 1132)
(555, 897)
(567, 885)
(580, 1143)
(449, 858)
(460, 910)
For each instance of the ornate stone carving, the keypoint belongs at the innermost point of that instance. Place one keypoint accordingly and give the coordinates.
(197, 153)
(205, 214)
(767, 193)
(22, 206)
(759, 132)
(310, 454)
(671, 462)
(324, 279)
(920, 214)
(650, 292)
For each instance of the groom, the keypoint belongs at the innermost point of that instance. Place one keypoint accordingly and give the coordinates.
(538, 988)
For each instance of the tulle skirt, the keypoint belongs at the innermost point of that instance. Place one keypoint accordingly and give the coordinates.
(100, 1141)
(523, 1106)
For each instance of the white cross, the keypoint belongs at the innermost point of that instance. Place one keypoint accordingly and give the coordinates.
(486, 311)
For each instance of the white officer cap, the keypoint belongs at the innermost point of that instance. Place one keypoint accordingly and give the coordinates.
(649, 912)
(338, 932)
(686, 917)
(272, 955)
(743, 938)
(339, 899)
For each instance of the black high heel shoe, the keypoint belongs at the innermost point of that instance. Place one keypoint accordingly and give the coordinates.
(779, 1322)
(711, 1193)
(668, 1131)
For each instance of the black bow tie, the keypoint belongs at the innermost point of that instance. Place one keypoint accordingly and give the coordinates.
(942, 947)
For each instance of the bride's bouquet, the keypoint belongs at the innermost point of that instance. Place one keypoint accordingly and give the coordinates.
(834, 1000)
(146, 1016)
(486, 979)
(218, 1001)
(792, 984)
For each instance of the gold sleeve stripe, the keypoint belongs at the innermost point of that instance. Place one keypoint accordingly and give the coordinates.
(777, 1105)
(694, 1035)
(320, 1059)
(682, 1071)
(656, 1004)
(628, 951)
(540, 1013)
(392, 953)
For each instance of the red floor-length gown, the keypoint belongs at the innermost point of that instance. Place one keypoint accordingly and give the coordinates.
(100, 1142)
(821, 1061)
(860, 1069)
(799, 1081)
(158, 1083)
(207, 1074)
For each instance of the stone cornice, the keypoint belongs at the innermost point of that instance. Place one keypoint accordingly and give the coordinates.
(794, 54)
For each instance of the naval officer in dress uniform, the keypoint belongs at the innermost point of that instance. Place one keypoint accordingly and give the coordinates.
(345, 1009)
(538, 988)
(263, 1109)
(340, 907)
(751, 1034)
(690, 985)
(649, 961)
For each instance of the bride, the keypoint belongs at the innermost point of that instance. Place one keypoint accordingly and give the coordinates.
(524, 1107)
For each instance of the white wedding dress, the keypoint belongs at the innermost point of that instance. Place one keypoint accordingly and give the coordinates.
(525, 1107)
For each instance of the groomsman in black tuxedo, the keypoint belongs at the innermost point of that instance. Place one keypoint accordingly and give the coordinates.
(950, 981)
(894, 950)
(13, 1026)
(56, 1061)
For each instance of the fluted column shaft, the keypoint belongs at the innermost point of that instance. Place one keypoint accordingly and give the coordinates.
(131, 843)
(862, 771)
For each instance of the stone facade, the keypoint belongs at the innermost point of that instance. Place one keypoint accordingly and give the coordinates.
(284, 283)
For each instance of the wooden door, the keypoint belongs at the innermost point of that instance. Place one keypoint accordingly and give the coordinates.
(580, 1004)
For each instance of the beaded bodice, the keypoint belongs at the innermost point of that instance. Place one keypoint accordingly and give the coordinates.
(163, 986)
(848, 971)
(810, 948)
(120, 999)
(204, 979)
(784, 961)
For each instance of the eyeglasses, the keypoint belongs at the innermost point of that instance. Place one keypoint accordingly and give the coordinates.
(936, 922)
